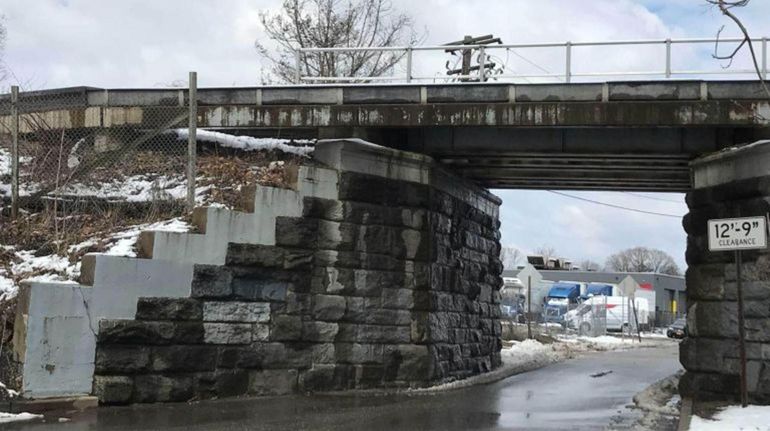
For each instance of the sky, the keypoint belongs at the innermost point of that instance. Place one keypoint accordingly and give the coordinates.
(152, 43)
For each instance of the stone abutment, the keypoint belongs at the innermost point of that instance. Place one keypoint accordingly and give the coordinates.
(394, 284)
(733, 183)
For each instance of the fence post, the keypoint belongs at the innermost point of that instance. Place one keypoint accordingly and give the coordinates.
(192, 141)
(298, 66)
(409, 64)
(568, 67)
(668, 58)
(14, 151)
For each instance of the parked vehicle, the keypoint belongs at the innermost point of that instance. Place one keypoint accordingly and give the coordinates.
(615, 312)
(512, 299)
(678, 329)
(598, 289)
(561, 297)
(512, 306)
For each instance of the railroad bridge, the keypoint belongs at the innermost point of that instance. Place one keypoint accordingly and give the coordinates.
(635, 136)
(588, 136)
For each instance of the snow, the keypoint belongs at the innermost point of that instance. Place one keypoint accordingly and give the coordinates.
(124, 246)
(10, 392)
(17, 417)
(5, 162)
(525, 351)
(136, 188)
(606, 342)
(522, 356)
(55, 268)
(654, 335)
(249, 143)
(735, 418)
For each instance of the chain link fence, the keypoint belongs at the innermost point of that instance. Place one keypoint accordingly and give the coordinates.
(70, 153)
(82, 163)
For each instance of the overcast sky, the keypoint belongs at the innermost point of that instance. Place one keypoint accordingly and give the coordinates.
(150, 43)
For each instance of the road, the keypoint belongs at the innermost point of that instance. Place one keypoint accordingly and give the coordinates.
(560, 396)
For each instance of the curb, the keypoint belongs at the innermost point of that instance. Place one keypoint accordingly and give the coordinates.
(685, 415)
(44, 405)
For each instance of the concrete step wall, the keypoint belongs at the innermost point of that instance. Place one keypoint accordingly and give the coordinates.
(56, 323)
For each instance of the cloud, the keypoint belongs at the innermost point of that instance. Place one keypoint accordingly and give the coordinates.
(132, 43)
(146, 43)
(578, 229)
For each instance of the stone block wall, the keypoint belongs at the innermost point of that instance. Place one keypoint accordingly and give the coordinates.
(393, 284)
(710, 354)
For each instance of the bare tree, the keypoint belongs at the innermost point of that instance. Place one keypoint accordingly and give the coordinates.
(725, 7)
(334, 24)
(3, 36)
(510, 256)
(546, 251)
(589, 265)
(643, 259)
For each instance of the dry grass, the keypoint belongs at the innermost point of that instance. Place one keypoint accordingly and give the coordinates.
(228, 176)
(47, 233)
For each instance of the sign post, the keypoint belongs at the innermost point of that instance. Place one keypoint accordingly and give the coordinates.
(737, 234)
(529, 307)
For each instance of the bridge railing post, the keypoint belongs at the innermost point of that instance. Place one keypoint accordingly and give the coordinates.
(568, 66)
(409, 64)
(192, 141)
(298, 66)
(668, 58)
(764, 57)
(14, 152)
(482, 64)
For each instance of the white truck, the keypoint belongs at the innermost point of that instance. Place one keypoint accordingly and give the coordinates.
(614, 312)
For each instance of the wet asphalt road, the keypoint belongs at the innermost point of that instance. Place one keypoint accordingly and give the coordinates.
(560, 396)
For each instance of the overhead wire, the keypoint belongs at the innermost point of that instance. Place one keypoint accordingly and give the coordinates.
(615, 206)
(653, 198)
(541, 68)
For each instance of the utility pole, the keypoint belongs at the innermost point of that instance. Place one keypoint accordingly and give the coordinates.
(467, 67)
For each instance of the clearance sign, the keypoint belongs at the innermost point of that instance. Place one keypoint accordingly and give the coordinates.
(738, 234)
(747, 233)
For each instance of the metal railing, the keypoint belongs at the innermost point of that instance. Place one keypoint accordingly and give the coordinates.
(568, 60)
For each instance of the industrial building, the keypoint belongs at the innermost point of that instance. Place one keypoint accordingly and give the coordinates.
(670, 295)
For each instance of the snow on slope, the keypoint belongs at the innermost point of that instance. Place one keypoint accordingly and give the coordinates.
(248, 143)
(5, 162)
(752, 418)
(59, 268)
(136, 188)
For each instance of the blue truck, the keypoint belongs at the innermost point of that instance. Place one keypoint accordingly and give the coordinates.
(562, 295)
(599, 289)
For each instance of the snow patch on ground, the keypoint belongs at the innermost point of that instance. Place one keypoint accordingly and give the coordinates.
(11, 393)
(17, 417)
(136, 188)
(249, 143)
(55, 268)
(5, 162)
(734, 418)
(527, 351)
(518, 358)
(604, 342)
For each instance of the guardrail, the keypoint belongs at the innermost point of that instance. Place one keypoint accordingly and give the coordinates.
(567, 76)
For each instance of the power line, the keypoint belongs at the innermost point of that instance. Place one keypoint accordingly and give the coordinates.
(542, 69)
(653, 198)
(615, 206)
